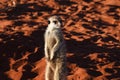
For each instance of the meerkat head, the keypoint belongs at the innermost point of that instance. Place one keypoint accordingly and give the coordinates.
(55, 21)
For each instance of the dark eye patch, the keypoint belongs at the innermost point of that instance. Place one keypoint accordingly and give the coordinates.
(61, 21)
(48, 22)
(55, 22)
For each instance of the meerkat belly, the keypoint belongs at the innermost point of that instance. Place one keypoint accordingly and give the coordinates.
(51, 41)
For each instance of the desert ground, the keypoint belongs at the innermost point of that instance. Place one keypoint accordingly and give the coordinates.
(91, 30)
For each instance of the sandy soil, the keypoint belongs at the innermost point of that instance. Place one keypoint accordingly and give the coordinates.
(91, 30)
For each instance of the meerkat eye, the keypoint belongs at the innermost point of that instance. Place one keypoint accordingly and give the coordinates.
(48, 22)
(55, 22)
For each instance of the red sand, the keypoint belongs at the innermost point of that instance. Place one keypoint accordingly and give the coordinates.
(91, 30)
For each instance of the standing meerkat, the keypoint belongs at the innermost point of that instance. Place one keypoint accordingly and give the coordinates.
(55, 50)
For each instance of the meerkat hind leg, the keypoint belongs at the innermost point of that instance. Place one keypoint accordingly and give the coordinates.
(59, 72)
(48, 73)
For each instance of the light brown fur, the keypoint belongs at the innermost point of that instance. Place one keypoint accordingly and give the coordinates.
(55, 50)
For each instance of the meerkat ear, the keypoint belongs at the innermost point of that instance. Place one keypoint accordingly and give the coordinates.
(61, 21)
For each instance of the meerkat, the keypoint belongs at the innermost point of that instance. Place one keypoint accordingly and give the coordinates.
(55, 50)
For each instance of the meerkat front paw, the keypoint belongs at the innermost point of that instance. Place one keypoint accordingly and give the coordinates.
(47, 58)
